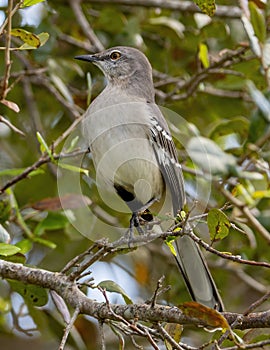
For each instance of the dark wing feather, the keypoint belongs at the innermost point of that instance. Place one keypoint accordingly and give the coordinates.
(189, 258)
(166, 156)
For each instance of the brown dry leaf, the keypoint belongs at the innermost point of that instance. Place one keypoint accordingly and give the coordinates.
(208, 316)
(11, 105)
(69, 201)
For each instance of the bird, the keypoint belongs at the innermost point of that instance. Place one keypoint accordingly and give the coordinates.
(135, 156)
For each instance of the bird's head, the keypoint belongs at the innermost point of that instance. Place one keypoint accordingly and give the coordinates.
(123, 66)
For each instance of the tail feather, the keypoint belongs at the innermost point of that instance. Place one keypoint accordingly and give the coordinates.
(196, 274)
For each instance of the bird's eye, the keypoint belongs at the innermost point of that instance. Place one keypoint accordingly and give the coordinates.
(115, 55)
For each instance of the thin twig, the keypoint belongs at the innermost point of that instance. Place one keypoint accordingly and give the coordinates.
(44, 158)
(75, 261)
(84, 24)
(257, 303)
(16, 7)
(11, 126)
(68, 328)
(235, 258)
(246, 212)
(170, 339)
(7, 51)
(159, 285)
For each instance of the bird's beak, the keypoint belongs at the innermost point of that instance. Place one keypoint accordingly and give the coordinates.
(88, 58)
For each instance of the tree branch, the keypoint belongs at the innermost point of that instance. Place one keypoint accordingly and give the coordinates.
(44, 158)
(70, 292)
(175, 5)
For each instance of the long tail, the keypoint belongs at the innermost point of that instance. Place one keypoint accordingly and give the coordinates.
(197, 276)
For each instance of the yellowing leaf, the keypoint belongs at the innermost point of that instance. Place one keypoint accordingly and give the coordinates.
(218, 224)
(207, 6)
(28, 3)
(169, 242)
(43, 37)
(208, 316)
(261, 194)
(203, 55)
(27, 37)
(175, 331)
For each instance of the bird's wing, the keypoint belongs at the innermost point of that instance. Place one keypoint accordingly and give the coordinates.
(166, 156)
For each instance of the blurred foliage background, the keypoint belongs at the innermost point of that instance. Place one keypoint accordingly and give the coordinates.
(211, 71)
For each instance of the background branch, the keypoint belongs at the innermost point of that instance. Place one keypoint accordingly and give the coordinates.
(175, 5)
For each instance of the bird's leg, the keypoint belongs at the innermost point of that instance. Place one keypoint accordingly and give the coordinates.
(135, 222)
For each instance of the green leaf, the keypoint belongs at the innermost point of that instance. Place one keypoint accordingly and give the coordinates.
(111, 286)
(43, 146)
(62, 87)
(28, 38)
(27, 3)
(89, 88)
(8, 249)
(5, 209)
(43, 37)
(207, 6)
(16, 258)
(45, 242)
(210, 157)
(230, 135)
(254, 41)
(53, 221)
(25, 245)
(229, 142)
(260, 100)
(35, 295)
(258, 126)
(73, 168)
(73, 144)
(18, 171)
(258, 21)
(203, 55)
(218, 224)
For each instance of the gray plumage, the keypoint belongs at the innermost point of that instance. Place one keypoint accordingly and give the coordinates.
(134, 153)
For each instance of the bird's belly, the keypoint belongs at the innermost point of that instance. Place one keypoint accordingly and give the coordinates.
(122, 160)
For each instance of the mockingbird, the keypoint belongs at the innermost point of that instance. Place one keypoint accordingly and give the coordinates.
(135, 156)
